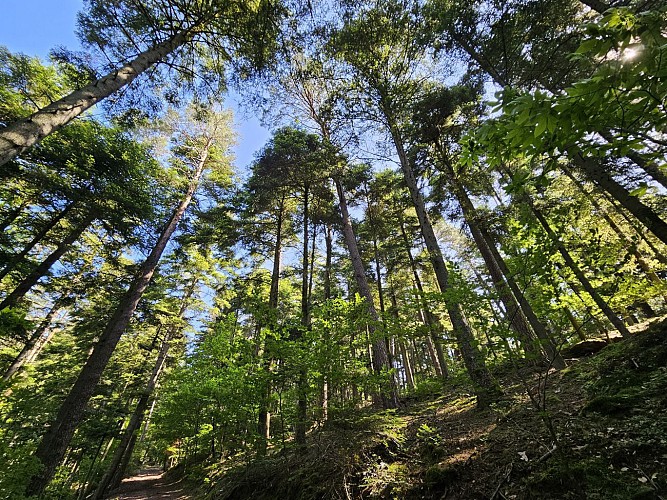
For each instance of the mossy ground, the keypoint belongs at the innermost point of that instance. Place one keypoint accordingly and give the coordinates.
(609, 413)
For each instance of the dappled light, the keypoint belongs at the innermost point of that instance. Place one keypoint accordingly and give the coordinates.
(439, 270)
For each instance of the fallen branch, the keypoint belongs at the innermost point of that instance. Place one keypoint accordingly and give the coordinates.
(547, 454)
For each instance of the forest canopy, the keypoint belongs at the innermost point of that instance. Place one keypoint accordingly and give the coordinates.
(452, 191)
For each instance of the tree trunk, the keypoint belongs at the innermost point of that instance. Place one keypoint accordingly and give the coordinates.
(570, 262)
(598, 174)
(495, 264)
(327, 266)
(302, 403)
(596, 5)
(12, 215)
(21, 135)
(629, 244)
(591, 167)
(31, 280)
(263, 414)
(53, 445)
(379, 350)
(486, 389)
(36, 342)
(429, 319)
(18, 258)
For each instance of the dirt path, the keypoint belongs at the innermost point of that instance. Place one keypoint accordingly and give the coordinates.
(150, 484)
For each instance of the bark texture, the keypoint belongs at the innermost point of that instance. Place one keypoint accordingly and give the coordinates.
(21, 135)
(379, 349)
(53, 445)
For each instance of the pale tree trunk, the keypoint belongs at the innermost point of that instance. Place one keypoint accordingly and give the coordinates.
(525, 329)
(39, 338)
(486, 389)
(43, 268)
(14, 260)
(380, 356)
(54, 444)
(21, 135)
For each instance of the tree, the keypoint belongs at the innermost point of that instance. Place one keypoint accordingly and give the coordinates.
(171, 33)
(197, 149)
(380, 55)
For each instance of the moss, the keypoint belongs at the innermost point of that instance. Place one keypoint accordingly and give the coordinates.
(439, 477)
(611, 404)
(589, 478)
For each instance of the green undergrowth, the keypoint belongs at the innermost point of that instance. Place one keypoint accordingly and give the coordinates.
(609, 412)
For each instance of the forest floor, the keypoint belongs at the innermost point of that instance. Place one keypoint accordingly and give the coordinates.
(608, 414)
(150, 484)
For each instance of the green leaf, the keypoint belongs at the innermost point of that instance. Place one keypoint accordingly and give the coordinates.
(640, 190)
(541, 126)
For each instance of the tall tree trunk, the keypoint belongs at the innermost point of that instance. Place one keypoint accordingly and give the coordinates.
(31, 280)
(628, 243)
(263, 414)
(591, 167)
(379, 349)
(36, 342)
(596, 5)
(53, 445)
(327, 295)
(123, 449)
(13, 261)
(21, 135)
(495, 264)
(12, 215)
(581, 277)
(327, 266)
(647, 166)
(486, 389)
(429, 319)
(302, 403)
(598, 174)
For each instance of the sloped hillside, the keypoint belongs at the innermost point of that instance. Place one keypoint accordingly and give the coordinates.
(608, 413)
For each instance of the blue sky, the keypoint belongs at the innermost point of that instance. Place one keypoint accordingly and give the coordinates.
(36, 26)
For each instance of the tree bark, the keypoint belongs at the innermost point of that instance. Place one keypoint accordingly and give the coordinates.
(13, 261)
(486, 389)
(628, 243)
(12, 215)
(581, 277)
(39, 338)
(302, 403)
(54, 444)
(597, 173)
(591, 167)
(495, 264)
(129, 435)
(327, 266)
(379, 349)
(263, 414)
(429, 319)
(21, 135)
(43, 268)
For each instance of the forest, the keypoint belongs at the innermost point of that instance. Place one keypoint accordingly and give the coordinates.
(443, 276)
